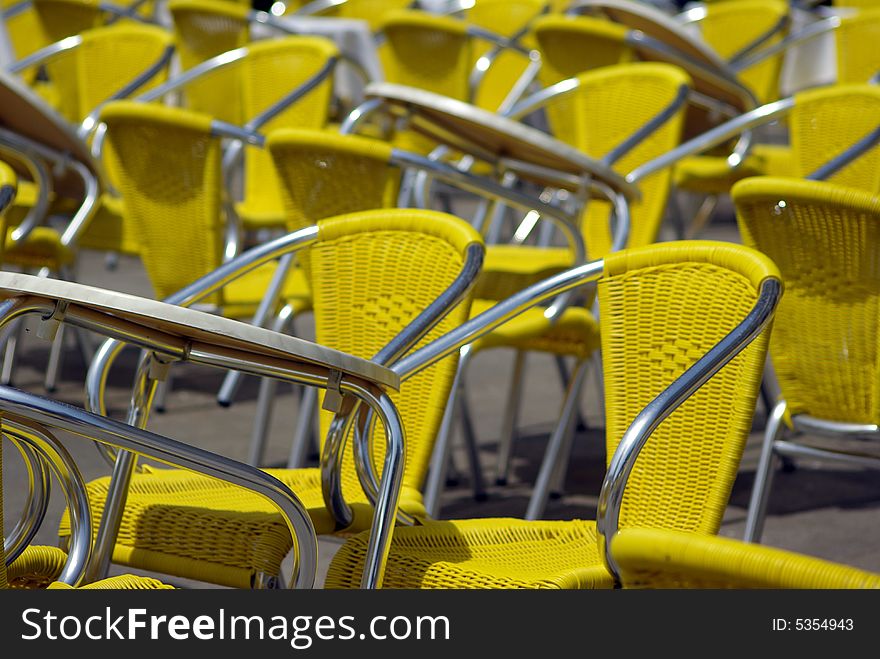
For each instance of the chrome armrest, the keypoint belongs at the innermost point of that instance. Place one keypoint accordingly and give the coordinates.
(639, 432)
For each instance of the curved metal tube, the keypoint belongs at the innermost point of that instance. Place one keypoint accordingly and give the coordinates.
(64, 467)
(42, 179)
(215, 63)
(53, 414)
(714, 137)
(495, 316)
(638, 433)
(45, 53)
(36, 504)
(331, 468)
(810, 32)
(84, 213)
(359, 114)
(99, 368)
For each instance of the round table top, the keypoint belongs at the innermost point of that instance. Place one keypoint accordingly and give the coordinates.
(491, 137)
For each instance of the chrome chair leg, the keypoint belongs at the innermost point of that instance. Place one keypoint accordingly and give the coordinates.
(563, 378)
(56, 356)
(509, 419)
(557, 444)
(764, 475)
(262, 420)
(478, 484)
(162, 390)
(442, 445)
(229, 388)
(303, 432)
(16, 329)
(701, 219)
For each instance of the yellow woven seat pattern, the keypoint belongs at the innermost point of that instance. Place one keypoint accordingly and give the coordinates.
(372, 273)
(713, 175)
(123, 582)
(659, 558)
(490, 553)
(42, 248)
(663, 307)
(511, 268)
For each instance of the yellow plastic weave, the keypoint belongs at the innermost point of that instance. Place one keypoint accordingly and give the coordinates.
(826, 121)
(173, 203)
(659, 558)
(26, 34)
(372, 273)
(825, 340)
(856, 45)
(663, 307)
(122, 582)
(323, 174)
(272, 69)
(734, 24)
(202, 30)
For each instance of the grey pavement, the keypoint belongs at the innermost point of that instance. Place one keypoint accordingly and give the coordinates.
(827, 511)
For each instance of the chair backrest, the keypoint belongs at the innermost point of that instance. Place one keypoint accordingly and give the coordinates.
(107, 60)
(26, 34)
(373, 12)
(427, 51)
(8, 190)
(272, 69)
(204, 29)
(732, 25)
(659, 558)
(506, 18)
(825, 340)
(858, 58)
(662, 307)
(826, 121)
(323, 174)
(169, 174)
(367, 286)
(609, 106)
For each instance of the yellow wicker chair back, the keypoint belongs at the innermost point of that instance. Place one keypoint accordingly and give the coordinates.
(110, 57)
(323, 174)
(659, 558)
(204, 29)
(172, 202)
(366, 290)
(373, 12)
(271, 69)
(825, 339)
(734, 24)
(856, 4)
(610, 105)
(825, 121)
(8, 190)
(858, 58)
(662, 307)
(506, 18)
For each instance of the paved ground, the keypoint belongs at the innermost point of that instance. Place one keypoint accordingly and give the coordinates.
(829, 512)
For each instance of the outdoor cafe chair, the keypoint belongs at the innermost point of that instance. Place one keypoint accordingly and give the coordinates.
(684, 330)
(375, 275)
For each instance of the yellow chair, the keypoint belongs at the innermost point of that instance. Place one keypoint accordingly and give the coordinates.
(660, 558)
(821, 235)
(363, 299)
(664, 307)
(855, 37)
(608, 106)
